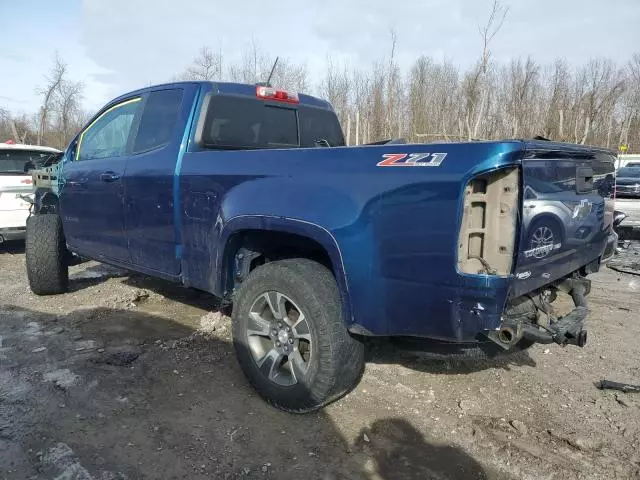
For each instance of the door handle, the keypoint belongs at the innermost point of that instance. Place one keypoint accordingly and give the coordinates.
(109, 176)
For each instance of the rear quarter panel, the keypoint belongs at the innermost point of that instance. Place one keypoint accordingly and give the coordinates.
(395, 227)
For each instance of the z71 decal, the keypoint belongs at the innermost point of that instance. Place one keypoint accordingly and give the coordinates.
(412, 159)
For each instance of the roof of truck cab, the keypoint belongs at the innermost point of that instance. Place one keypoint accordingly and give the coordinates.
(226, 88)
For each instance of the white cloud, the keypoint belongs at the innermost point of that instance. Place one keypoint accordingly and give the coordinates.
(120, 45)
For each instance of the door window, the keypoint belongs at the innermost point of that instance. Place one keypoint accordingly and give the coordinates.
(108, 135)
(158, 120)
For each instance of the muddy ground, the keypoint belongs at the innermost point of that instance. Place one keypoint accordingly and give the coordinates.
(128, 377)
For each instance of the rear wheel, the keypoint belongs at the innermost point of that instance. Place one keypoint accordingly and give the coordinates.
(289, 336)
(46, 255)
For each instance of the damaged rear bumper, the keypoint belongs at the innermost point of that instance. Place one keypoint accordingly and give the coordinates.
(569, 330)
(566, 330)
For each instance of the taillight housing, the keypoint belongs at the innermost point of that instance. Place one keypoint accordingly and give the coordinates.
(487, 235)
(269, 93)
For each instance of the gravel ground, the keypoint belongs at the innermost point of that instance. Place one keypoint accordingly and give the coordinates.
(129, 377)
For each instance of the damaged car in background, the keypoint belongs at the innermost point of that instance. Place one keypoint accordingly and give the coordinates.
(249, 192)
(628, 182)
(16, 185)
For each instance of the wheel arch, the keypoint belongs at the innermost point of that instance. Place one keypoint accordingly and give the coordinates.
(262, 236)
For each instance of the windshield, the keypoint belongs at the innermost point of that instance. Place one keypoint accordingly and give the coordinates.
(629, 172)
(21, 162)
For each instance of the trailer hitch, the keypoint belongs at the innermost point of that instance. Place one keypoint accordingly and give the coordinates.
(569, 329)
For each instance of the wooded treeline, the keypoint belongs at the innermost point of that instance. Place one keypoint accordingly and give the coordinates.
(60, 115)
(596, 103)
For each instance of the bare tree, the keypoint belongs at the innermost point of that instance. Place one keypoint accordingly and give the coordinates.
(557, 101)
(392, 101)
(18, 129)
(336, 88)
(206, 66)
(68, 108)
(477, 91)
(630, 108)
(596, 103)
(522, 79)
(287, 75)
(605, 86)
(54, 81)
(432, 100)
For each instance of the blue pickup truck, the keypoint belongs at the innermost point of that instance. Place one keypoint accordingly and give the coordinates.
(249, 193)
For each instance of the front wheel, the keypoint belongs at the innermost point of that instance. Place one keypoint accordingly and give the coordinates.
(46, 255)
(289, 336)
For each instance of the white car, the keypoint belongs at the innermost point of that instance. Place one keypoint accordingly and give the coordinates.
(16, 162)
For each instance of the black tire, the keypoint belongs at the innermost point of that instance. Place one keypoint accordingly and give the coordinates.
(46, 255)
(336, 360)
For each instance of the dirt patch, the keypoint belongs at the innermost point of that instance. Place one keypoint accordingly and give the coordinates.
(128, 377)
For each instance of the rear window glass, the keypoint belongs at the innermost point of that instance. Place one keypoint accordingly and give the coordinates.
(236, 122)
(317, 124)
(280, 126)
(159, 119)
(20, 162)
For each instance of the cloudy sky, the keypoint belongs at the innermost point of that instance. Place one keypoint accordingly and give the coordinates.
(118, 45)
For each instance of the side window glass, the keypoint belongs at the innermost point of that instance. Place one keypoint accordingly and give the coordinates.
(159, 120)
(107, 136)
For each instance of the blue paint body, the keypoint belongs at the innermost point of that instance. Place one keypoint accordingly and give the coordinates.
(390, 233)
